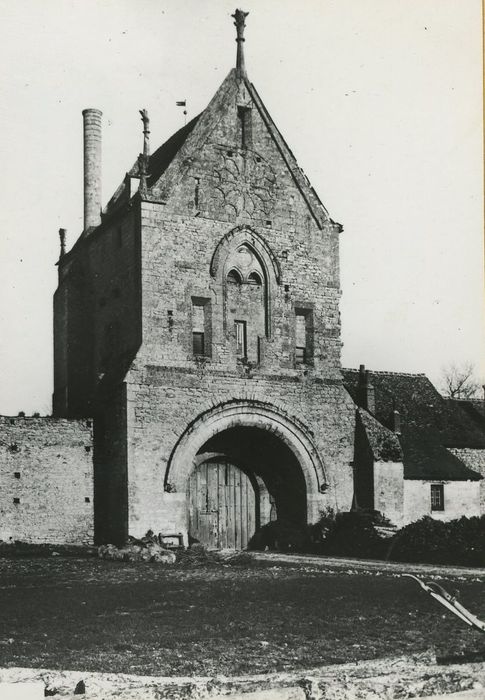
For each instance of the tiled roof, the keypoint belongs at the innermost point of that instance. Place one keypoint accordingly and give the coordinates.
(383, 442)
(429, 424)
(474, 408)
(163, 156)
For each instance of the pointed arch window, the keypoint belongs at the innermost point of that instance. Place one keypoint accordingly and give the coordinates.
(254, 278)
(234, 277)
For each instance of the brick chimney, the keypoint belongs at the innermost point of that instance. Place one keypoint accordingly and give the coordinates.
(92, 168)
(366, 393)
(396, 421)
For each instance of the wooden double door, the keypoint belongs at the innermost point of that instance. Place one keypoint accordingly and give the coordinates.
(222, 505)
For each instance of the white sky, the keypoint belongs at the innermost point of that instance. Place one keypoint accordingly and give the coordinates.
(379, 100)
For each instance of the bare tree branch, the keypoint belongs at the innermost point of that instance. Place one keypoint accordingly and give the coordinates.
(459, 381)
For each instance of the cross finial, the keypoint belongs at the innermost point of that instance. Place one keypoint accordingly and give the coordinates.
(240, 23)
(146, 132)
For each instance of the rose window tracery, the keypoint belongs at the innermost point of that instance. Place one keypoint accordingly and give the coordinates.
(246, 183)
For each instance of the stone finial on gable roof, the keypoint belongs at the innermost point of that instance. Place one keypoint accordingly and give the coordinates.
(240, 23)
(143, 158)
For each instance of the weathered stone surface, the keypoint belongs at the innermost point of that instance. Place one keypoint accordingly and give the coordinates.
(367, 680)
(46, 472)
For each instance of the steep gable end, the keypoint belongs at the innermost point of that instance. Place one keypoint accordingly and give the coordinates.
(232, 162)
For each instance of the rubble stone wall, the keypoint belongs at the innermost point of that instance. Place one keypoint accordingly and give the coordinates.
(46, 471)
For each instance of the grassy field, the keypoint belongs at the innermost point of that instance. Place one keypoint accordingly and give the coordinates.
(87, 614)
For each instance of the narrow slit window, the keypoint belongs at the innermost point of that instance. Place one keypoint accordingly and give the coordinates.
(241, 347)
(199, 336)
(245, 126)
(198, 343)
(437, 497)
(300, 339)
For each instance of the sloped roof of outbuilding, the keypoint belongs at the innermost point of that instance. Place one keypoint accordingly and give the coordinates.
(383, 442)
(429, 424)
(474, 408)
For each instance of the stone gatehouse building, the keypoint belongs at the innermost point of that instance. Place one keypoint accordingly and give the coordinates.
(196, 323)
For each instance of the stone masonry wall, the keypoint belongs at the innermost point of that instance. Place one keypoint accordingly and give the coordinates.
(46, 473)
(164, 402)
(97, 316)
(114, 265)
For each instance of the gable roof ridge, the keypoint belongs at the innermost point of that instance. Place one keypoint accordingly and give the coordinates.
(316, 206)
(386, 372)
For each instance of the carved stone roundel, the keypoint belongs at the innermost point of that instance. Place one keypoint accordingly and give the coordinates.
(246, 182)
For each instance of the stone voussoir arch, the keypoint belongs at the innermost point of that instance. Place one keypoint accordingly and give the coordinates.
(246, 413)
(245, 235)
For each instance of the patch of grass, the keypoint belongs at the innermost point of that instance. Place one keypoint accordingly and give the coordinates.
(95, 615)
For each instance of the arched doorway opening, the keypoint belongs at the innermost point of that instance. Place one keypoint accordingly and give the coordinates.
(276, 452)
(243, 477)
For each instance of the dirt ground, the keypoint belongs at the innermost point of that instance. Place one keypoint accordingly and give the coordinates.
(251, 617)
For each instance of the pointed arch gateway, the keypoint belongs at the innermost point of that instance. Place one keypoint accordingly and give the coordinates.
(241, 464)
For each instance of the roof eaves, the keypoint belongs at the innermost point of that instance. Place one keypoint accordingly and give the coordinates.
(315, 205)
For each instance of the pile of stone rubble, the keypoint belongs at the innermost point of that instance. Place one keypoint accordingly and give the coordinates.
(146, 549)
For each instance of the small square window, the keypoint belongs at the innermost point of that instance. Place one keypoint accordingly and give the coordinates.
(198, 344)
(87, 499)
(437, 497)
(16, 501)
(16, 475)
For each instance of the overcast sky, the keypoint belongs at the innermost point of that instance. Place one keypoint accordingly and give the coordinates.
(380, 101)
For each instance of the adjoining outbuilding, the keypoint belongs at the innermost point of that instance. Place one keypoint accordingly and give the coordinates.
(416, 453)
